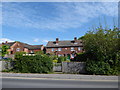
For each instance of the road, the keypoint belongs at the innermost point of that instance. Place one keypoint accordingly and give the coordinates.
(20, 82)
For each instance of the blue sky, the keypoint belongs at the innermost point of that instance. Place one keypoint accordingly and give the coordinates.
(39, 22)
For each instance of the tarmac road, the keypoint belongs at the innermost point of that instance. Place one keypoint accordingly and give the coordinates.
(21, 82)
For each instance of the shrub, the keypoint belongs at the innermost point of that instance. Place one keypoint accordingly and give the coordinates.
(39, 53)
(61, 59)
(53, 57)
(34, 64)
(55, 61)
(81, 57)
(18, 55)
(100, 67)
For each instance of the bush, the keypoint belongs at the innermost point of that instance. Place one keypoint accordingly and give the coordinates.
(100, 67)
(61, 59)
(55, 61)
(33, 64)
(18, 55)
(81, 57)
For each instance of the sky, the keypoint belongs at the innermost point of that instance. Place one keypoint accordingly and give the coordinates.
(39, 22)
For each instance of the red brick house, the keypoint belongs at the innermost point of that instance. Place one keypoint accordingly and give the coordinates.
(19, 46)
(67, 48)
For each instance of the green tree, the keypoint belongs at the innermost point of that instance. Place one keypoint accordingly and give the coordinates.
(3, 50)
(102, 45)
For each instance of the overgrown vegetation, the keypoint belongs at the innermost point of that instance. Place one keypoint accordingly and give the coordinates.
(58, 59)
(3, 50)
(102, 51)
(33, 64)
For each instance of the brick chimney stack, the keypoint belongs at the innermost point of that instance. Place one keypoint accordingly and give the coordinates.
(57, 40)
(6, 42)
(2, 43)
(75, 38)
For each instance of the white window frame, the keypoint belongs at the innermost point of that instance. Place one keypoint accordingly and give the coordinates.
(79, 48)
(52, 49)
(75, 43)
(31, 51)
(59, 55)
(72, 49)
(59, 49)
(17, 49)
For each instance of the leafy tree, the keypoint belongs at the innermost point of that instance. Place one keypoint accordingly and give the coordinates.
(82, 37)
(103, 45)
(4, 49)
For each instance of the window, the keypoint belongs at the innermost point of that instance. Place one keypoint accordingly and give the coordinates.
(72, 56)
(52, 49)
(75, 43)
(18, 49)
(72, 48)
(79, 48)
(59, 49)
(65, 48)
(31, 51)
(11, 48)
(59, 55)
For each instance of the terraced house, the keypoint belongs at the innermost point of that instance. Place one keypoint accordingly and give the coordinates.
(19, 46)
(67, 48)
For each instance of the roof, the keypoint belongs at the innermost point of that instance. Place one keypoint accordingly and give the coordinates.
(9, 43)
(66, 43)
(25, 45)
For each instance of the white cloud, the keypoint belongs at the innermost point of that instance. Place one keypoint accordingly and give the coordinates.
(36, 40)
(67, 15)
(45, 41)
(5, 39)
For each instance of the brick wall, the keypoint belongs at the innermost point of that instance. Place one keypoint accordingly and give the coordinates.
(65, 50)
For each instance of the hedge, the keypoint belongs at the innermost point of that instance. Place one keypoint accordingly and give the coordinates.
(101, 68)
(33, 64)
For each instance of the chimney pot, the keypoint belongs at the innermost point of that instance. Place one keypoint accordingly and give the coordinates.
(75, 38)
(6, 42)
(2, 43)
(57, 39)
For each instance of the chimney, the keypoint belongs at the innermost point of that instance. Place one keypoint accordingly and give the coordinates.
(2, 43)
(75, 38)
(57, 39)
(6, 42)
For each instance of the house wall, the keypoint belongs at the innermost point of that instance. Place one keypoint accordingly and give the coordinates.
(36, 50)
(64, 50)
(14, 47)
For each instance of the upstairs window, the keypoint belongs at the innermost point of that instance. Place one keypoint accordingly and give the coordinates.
(52, 49)
(18, 49)
(75, 43)
(72, 48)
(59, 49)
(79, 48)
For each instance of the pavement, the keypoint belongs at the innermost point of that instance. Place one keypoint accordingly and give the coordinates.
(28, 80)
(61, 76)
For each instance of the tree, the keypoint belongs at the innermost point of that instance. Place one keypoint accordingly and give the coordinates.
(4, 49)
(103, 46)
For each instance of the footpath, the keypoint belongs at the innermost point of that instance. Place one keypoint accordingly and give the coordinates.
(60, 76)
